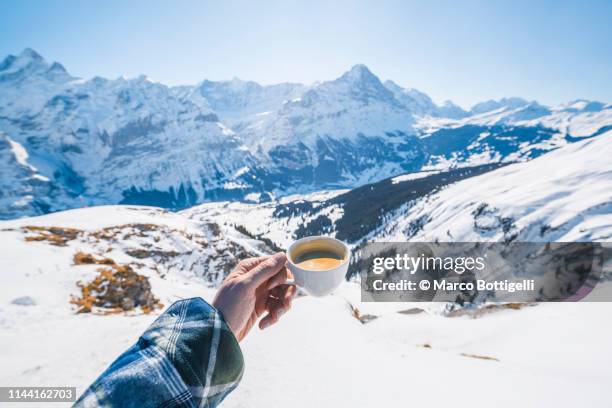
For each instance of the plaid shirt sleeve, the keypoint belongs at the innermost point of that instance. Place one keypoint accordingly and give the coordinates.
(188, 357)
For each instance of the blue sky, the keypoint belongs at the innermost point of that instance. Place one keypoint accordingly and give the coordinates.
(467, 51)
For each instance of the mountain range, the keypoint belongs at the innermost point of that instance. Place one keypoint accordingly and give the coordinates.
(562, 196)
(67, 142)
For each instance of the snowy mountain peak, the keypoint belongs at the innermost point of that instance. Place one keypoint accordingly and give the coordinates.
(583, 105)
(29, 53)
(358, 84)
(27, 59)
(56, 66)
(359, 72)
(31, 64)
(451, 110)
(449, 103)
(232, 92)
(360, 78)
(239, 103)
(505, 103)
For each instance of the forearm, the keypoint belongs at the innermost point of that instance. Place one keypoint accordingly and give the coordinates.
(187, 355)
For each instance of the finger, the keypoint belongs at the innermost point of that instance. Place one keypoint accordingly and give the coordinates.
(268, 320)
(277, 307)
(284, 293)
(274, 307)
(247, 264)
(279, 278)
(289, 294)
(275, 311)
(268, 268)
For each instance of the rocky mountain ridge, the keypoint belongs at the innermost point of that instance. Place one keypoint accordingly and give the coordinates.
(135, 141)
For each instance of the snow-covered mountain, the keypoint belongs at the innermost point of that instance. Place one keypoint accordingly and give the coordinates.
(23, 190)
(68, 142)
(421, 104)
(111, 141)
(338, 133)
(504, 103)
(43, 260)
(565, 195)
(510, 133)
(242, 103)
(413, 99)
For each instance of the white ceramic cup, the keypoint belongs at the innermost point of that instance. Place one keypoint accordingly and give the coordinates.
(318, 283)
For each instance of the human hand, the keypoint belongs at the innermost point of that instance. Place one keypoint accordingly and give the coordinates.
(255, 286)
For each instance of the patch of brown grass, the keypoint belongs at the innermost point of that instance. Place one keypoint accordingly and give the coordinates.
(57, 236)
(82, 258)
(117, 288)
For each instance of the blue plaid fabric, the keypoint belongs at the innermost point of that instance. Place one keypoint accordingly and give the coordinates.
(188, 357)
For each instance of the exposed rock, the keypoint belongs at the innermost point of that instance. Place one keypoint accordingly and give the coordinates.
(24, 301)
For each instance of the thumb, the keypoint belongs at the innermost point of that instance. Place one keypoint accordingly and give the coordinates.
(267, 268)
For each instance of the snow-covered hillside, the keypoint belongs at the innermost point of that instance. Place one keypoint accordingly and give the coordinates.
(400, 351)
(564, 195)
(135, 141)
(155, 243)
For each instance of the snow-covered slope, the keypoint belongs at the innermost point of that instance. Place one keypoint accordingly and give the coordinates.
(416, 101)
(155, 243)
(404, 350)
(348, 215)
(421, 104)
(242, 103)
(23, 190)
(565, 195)
(43, 259)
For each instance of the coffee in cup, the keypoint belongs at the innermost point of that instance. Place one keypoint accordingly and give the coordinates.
(318, 264)
(319, 260)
